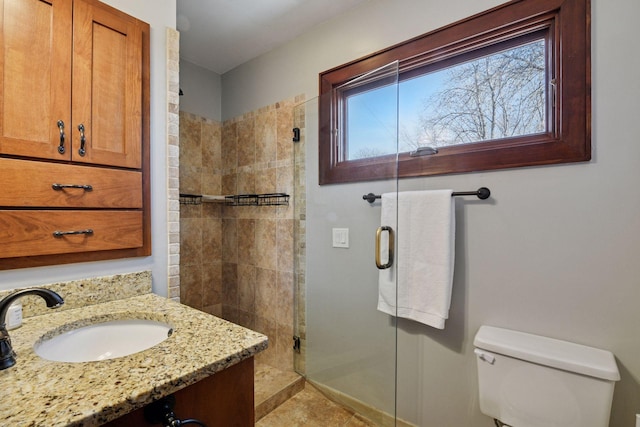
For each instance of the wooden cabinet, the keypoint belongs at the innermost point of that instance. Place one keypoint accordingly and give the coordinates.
(71, 82)
(225, 399)
(74, 132)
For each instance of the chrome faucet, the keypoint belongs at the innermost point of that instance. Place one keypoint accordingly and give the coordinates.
(7, 355)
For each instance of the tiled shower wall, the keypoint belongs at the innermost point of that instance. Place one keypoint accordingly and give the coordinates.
(238, 262)
(200, 225)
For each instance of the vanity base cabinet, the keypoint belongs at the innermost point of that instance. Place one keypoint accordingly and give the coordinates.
(221, 400)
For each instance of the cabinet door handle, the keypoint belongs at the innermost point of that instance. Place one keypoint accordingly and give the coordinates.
(61, 146)
(58, 233)
(85, 187)
(83, 140)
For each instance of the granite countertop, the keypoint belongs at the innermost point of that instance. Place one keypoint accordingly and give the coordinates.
(38, 392)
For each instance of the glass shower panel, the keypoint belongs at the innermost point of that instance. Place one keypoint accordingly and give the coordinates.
(348, 347)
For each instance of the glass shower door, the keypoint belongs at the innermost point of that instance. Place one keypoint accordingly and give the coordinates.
(347, 346)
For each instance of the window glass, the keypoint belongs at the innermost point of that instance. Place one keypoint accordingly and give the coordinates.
(501, 95)
(371, 123)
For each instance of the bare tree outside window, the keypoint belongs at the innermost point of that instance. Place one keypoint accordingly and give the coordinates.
(501, 95)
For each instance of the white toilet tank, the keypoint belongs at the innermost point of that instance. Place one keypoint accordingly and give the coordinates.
(528, 380)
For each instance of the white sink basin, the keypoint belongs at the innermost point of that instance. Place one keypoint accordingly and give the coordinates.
(102, 341)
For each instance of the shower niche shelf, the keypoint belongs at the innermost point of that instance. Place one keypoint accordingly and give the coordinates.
(268, 199)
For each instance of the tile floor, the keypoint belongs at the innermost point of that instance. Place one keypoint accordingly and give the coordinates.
(273, 387)
(309, 408)
(283, 399)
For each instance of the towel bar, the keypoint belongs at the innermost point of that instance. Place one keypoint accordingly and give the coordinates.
(481, 193)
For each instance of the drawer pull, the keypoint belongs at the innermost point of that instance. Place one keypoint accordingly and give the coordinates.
(61, 146)
(63, 186)
(88, 231)
(83, 140)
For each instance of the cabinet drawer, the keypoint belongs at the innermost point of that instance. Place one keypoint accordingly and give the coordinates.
(31, 233)
(31, 184)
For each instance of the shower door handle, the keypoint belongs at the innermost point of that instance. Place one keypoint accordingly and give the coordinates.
(389, 262)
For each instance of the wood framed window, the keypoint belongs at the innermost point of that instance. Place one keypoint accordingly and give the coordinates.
(509, 87)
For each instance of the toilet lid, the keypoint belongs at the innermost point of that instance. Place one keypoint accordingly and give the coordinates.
(550, 352)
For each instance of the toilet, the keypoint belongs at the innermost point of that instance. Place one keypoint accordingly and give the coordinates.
(527, 380)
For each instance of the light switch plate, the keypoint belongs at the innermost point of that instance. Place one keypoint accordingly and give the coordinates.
(340, 237)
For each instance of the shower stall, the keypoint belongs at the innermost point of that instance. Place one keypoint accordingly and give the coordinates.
(346, 347)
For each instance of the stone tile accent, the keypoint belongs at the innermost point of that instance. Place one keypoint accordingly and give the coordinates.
(173, 161)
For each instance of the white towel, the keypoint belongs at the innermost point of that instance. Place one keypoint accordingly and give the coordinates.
(425, 246)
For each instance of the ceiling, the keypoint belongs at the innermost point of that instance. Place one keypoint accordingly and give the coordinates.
(219, 35)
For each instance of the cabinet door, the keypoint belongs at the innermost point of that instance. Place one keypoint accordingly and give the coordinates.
(107, 86)
(35, 68)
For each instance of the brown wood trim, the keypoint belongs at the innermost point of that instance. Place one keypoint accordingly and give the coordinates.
(146, 140)
(45, 260)
(568, 22)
